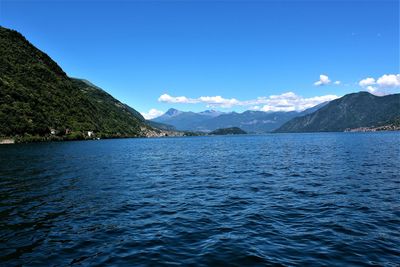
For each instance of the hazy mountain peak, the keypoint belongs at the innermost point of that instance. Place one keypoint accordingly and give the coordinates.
(211, 112)
(172, 112)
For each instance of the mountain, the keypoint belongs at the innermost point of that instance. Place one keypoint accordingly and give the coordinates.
(183, 121)
(172, 113)
(251, 121)
(312, 109)
(348, 112)
(37, 98)
(209, 120)
(228, 131)
(161, 126)
(211, 113)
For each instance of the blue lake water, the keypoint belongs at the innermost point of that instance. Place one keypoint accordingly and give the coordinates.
(279, 199)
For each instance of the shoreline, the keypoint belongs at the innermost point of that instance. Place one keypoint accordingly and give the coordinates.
(7, 141)
(43, 139)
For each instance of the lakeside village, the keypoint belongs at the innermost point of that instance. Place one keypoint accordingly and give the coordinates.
(68, 135)
(54, 135)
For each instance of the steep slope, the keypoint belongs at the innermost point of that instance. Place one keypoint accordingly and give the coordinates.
(36, 95)
(350, 111)
(313, 109)
(99, 97)
(161, 126)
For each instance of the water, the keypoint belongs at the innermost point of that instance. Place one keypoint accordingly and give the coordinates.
(285, 199)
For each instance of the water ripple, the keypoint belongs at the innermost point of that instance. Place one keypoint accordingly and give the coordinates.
(283, 200)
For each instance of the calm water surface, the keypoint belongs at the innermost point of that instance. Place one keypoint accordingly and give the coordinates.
(284, 199)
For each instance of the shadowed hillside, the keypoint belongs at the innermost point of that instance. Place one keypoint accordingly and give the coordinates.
(36, 96)
(350, 111)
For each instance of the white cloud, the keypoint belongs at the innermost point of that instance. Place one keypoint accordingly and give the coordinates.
(371, 89)
(255, 108)
(218, 101)
(284, 102)
(153, 113)
(210, 101)
(323, 80)
(386, 84)
(292, 102)
(389, 80)
(337, 82)
(177, 99)
(367, 82)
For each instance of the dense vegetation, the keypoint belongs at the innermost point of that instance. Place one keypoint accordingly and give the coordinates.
(351, 111)
(36, 96)
(161, 126)
(226, 131)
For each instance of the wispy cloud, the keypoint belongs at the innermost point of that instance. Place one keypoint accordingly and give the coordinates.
(324, 80)
(211, 101)
(367, 82)
(386, 84)
(176, 99)
(152, 113)
(284, 102)
(291, 102)
(389, 80)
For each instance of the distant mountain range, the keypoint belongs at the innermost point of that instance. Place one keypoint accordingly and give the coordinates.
(349, 112)
(210, 120)
(356, 110)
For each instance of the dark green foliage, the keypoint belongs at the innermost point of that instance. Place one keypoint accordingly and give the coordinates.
(112, 116)
(188, 133)
(36, 96)
(395, 122)
(351, 111)
(161, 126)
(225, 131)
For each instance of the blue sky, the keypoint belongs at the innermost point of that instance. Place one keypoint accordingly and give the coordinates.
(242, 51)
